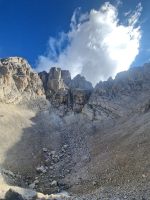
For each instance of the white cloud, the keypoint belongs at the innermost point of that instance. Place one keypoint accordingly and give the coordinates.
(98, 45)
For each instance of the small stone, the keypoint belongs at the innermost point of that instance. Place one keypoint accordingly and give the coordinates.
(56, 156)
(94, 183)
(47, 160)
(41, 169)
(45, 150)
(143, 176)
(32, 186)
(61, 155)
(63, 150)
(65, 146)
(51, 167)
(54, 183)
(36, 181)
(53, 152)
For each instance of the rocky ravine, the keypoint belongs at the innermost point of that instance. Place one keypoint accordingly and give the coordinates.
(60, 134)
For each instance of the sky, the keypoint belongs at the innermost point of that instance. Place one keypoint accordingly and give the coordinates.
(90, 37)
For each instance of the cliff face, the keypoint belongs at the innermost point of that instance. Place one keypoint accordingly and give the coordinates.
(64, 93)
(18, 83)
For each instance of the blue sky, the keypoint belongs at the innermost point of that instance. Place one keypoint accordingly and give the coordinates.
(27, 25)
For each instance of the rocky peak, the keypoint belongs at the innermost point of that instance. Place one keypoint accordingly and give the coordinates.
(64, 92)
(18, 82)
(79, 82)
(55, 81)
(17, 60)
(131, 81)
(66, 76)
(44, 77)
(128, 92)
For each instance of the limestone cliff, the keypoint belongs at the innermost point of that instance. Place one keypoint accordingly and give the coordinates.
(18, 82)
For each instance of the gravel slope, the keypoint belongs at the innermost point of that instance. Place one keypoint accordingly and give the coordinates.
(102, 161)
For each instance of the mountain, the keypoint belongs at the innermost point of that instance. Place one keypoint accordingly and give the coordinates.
(60, 134)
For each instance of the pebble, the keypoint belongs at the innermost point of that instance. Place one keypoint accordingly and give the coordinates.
(54, 183)
(45, 150)
(94, 183)
(53, 152)
(51, 167)
(32, 186)
(143, 176)
(36, 181)
(65, 146)
(41, 169)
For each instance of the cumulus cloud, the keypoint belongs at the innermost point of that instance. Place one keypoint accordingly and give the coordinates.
(97, 46)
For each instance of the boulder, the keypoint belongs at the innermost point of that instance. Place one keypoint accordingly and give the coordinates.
(13, 195)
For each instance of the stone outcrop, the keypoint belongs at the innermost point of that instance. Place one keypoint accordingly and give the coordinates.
(64, 93)
(18, 193)
(55, 81)
(66, 76)
(79, 82)
(18, 82)
(81, 90)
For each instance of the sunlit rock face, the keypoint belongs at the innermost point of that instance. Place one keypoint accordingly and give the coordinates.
(18, 82)
(55, 81)
(57, 92)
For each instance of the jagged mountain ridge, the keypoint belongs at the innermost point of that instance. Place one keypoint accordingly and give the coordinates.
(95, 146)
(127, 93)
(20, 83)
